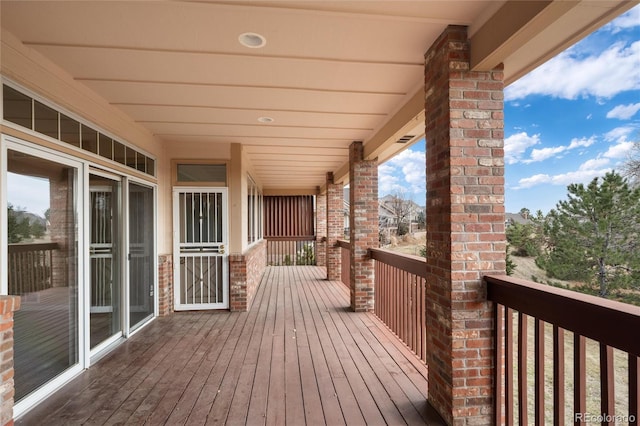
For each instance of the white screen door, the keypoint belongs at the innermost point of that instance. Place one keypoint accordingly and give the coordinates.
(200, 242)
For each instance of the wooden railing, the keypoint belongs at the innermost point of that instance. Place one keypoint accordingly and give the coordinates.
(345, 262)
(289, 251)
(400, 292)
(598, 326)
(29, 267)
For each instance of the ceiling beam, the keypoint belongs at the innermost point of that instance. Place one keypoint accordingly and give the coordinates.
(510, 27)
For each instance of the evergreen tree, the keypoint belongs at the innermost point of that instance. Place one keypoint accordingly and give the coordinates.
(593, 236)
(12, 225)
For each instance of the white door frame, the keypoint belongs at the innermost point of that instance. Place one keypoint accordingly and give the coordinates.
(217, 250)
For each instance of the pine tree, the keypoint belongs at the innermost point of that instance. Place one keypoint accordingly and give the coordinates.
(594, 236)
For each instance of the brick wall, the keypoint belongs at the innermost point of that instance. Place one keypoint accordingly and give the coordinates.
(165, 285)
(63, 229)
(245, 273)
(465, 226)
(8, 304)
(335, 226)
(321, 230)
(363, 226)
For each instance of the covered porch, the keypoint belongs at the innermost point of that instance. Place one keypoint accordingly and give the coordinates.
(298, 356)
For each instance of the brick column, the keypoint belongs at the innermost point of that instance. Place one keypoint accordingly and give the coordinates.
(8, 305)
(335, 227)
(165, 285)
(363, 226)
(465, 226)
(321, 230)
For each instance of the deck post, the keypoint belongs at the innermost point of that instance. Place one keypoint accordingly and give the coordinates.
(335, 226)
(465, 226)
(8, 305)
(363, 226)
(321, 230)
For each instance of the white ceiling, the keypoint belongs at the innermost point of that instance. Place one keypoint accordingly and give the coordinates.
(331, 72)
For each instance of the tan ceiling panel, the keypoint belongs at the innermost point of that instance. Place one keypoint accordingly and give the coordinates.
(106, 64)
(331, 72)
(150, 113)
(244, 97)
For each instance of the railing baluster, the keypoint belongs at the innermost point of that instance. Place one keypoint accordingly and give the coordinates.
(522, 369)
(579, 377)
(634, 388)
(539, 368)
(400, 291)
(607, 389)
(508, 366)
(558, 376)
(498, 398)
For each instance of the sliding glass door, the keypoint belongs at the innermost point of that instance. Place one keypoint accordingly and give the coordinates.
(105, 230)
(141, 254)
(43, 258)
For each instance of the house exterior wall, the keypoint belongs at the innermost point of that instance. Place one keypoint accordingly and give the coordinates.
(465, 226)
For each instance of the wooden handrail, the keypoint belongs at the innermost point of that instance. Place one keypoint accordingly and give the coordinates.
(293, 238)
(609, 323)
(344, 244)
(415, 265)
(25, 247)
(606, 321)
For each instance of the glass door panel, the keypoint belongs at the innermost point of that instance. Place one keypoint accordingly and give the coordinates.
(141, 252)
(42, 263)
(105, 315)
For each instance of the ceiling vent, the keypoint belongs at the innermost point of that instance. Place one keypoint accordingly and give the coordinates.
(405, 139)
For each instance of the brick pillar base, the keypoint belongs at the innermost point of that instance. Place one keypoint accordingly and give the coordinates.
(335, 227)
(8, 305)
(465, 226)
(245, 273)
(165, 285)
(363, 226)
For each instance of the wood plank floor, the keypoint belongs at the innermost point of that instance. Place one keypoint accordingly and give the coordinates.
(299, 356)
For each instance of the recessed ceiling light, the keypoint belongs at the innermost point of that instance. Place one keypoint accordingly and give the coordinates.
(266, 120)
(252, 40)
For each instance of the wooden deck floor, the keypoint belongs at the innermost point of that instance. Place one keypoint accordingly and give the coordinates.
(298, 357)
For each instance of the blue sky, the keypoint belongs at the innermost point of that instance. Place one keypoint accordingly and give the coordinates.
(573, 118)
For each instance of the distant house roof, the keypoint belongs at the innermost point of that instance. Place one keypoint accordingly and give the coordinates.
(516, 218)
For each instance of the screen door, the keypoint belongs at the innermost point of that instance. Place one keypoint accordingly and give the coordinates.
(200, 236)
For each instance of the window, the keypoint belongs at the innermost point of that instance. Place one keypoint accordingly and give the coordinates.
(254, 211)
(215, 174)
(25, 111)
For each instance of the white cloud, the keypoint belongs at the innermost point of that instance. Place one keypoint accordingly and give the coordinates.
(541, 154)
(586, 172)
(619, 134)
(626, 20)
(533, 181)
(570, 76)
(619, 150)
(582, 142)
(624, 112)
(516, 145)
(545, 153)
(407, 167)
(594, 164)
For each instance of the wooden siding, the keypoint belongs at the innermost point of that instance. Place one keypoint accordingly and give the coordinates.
(288, 216)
